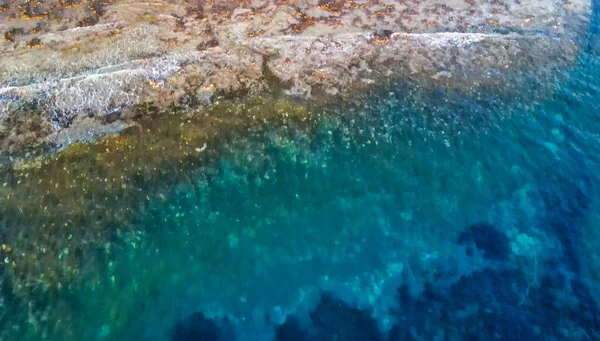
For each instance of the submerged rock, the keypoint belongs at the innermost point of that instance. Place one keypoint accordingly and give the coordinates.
(495, 305)
(491, 242)
(291, 330)
(332, 319)
(337, 320)
(198, 328)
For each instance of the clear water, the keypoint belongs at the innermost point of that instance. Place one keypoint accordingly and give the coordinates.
(411, 215)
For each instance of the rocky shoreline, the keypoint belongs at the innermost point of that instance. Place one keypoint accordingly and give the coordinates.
(86, 69)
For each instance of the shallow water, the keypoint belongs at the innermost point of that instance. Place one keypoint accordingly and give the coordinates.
(412, 214)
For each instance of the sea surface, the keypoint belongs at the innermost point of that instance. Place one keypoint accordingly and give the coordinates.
(410, 214)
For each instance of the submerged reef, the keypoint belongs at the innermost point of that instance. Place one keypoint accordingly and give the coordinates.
(486, 305)
(493, 243)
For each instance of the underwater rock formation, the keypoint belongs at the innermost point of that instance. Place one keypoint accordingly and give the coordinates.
(491, 305)
(83, 65)
(332, 319)
(493, 243)
(198, 328)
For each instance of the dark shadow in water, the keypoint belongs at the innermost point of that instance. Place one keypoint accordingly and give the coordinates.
(486, 305)
(566, 209)
(493, 305)
(332, 319)
(493, 243)
(197, 327)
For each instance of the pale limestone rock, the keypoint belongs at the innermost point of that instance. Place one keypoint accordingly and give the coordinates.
(157, 51)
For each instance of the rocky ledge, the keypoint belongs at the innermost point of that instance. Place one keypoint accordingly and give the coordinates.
(78, 69)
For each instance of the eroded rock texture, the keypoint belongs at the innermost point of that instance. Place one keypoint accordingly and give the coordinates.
(83, 65)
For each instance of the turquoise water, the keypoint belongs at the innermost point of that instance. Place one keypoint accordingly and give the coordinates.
(412, 215)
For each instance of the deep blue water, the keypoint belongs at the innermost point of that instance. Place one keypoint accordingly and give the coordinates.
(418, 215)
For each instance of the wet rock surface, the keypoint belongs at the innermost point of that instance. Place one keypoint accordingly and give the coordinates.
(81, 66)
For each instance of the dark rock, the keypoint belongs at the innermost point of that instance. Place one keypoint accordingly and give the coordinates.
(491, 242)
(483, 306)
(498, 305)
(336, 320)
(208, 44)
(197, 328)
(332, 319)
(383, 34)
